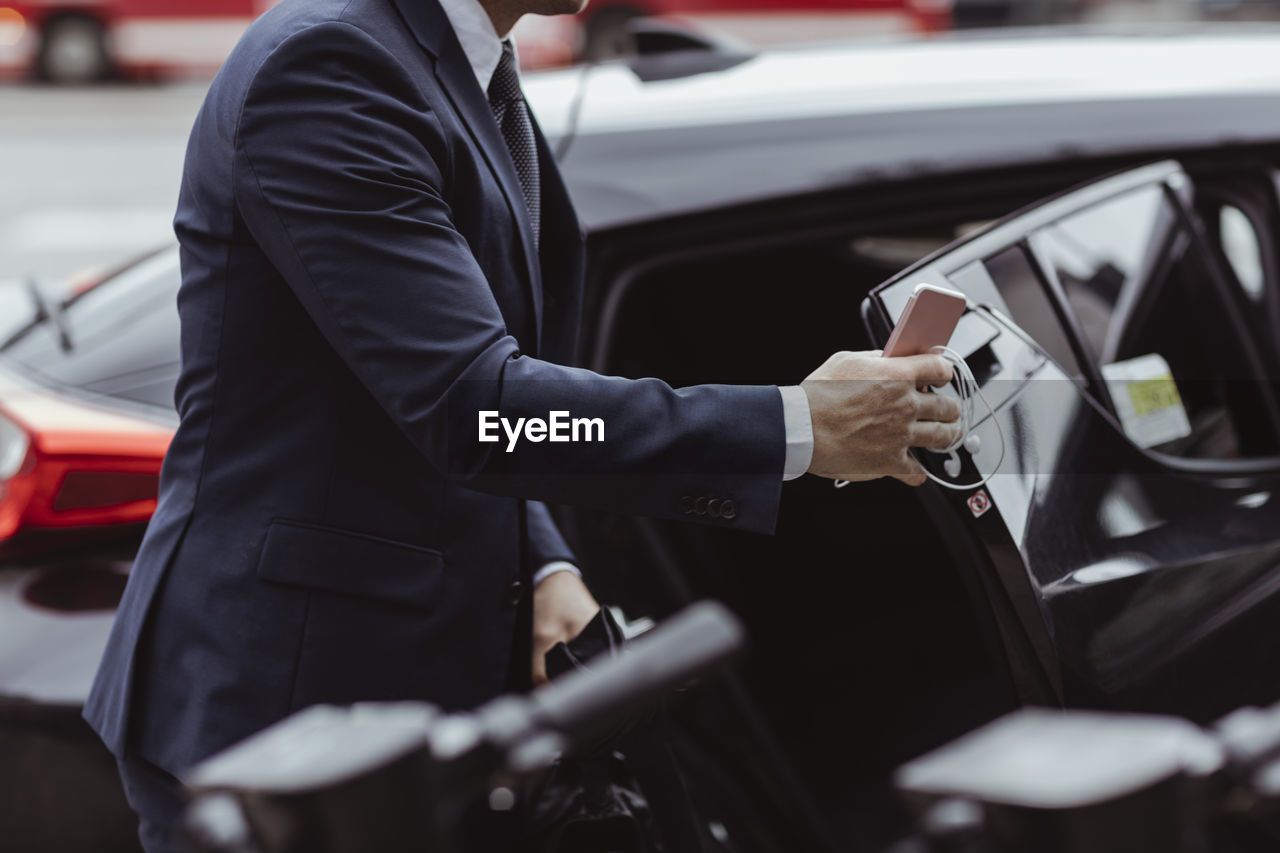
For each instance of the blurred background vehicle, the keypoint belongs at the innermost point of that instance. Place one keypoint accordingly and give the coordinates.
(1239, 10)
(762, 22)
(72, 41)
(86, 419)
(726, 193)
(84, 41)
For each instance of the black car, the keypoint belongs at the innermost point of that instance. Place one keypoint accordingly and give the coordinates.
(748, 215)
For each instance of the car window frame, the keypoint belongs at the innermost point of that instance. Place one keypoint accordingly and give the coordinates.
(1263, 222)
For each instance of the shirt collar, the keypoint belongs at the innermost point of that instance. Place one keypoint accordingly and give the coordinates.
(479, 40)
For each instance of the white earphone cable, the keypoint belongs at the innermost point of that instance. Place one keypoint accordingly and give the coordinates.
(967, 388)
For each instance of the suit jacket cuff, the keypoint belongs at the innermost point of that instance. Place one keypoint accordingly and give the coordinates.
(555, 568)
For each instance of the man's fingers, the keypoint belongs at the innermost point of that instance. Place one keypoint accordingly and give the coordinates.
(925, 369)
(932, 435)
(935, 407)
(539, 669)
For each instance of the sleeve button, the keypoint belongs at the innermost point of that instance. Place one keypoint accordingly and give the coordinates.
(700, 506)
(686, 504)
(729, 509)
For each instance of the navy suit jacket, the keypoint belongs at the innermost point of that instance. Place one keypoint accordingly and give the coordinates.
(359, 281)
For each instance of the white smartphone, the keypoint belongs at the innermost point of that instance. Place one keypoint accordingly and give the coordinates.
(928, 321)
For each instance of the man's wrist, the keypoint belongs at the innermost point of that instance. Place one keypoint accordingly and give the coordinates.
(554, 567)
(798, 423)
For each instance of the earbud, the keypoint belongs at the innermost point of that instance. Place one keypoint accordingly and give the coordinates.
(952, 465)
(972, 443)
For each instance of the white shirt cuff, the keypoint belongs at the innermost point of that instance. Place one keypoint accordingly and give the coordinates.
(553, 568)
(799, 426)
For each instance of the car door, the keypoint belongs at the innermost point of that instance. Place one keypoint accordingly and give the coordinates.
(1127, 544)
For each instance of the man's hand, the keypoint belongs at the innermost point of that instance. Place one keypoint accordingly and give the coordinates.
(867, 411)
(562, 607)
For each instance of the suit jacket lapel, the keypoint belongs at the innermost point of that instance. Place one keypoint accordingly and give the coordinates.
(433, 31)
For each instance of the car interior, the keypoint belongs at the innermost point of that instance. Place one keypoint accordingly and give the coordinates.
(868, 647)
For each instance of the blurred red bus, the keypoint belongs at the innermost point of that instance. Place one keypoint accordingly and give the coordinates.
(78, 41)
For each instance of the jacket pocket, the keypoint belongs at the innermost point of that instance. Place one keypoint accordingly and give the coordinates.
(348, 563)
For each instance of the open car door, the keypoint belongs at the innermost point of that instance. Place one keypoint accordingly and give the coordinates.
(1127, 548)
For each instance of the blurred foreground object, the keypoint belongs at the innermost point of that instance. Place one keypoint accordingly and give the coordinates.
(397, 776)
(1086, 782)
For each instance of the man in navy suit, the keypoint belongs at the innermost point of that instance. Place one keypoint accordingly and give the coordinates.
(379, 258)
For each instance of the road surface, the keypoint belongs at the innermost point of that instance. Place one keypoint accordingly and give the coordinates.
(88, 177)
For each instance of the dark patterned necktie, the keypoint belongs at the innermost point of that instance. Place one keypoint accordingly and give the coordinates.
(512, 113)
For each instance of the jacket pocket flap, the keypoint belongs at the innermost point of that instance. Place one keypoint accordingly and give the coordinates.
(333, 560)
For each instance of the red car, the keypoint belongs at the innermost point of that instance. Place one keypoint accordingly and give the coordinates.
(84, 421)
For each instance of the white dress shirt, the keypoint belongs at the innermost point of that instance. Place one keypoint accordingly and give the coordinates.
(480, 41)
(483, 47)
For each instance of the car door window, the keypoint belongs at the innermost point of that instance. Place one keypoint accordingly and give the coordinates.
(1141, 290)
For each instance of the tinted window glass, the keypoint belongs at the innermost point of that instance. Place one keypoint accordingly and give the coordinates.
(1019, 284)
(1142, 292)
(1106, 256)
(124, 336)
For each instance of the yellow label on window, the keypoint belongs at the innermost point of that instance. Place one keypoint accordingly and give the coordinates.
(1152, 395)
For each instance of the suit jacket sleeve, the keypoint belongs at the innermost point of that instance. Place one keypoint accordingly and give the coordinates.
(342, 177)
(546, 543)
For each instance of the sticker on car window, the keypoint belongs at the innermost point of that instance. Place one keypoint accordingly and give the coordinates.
(1147, 400)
